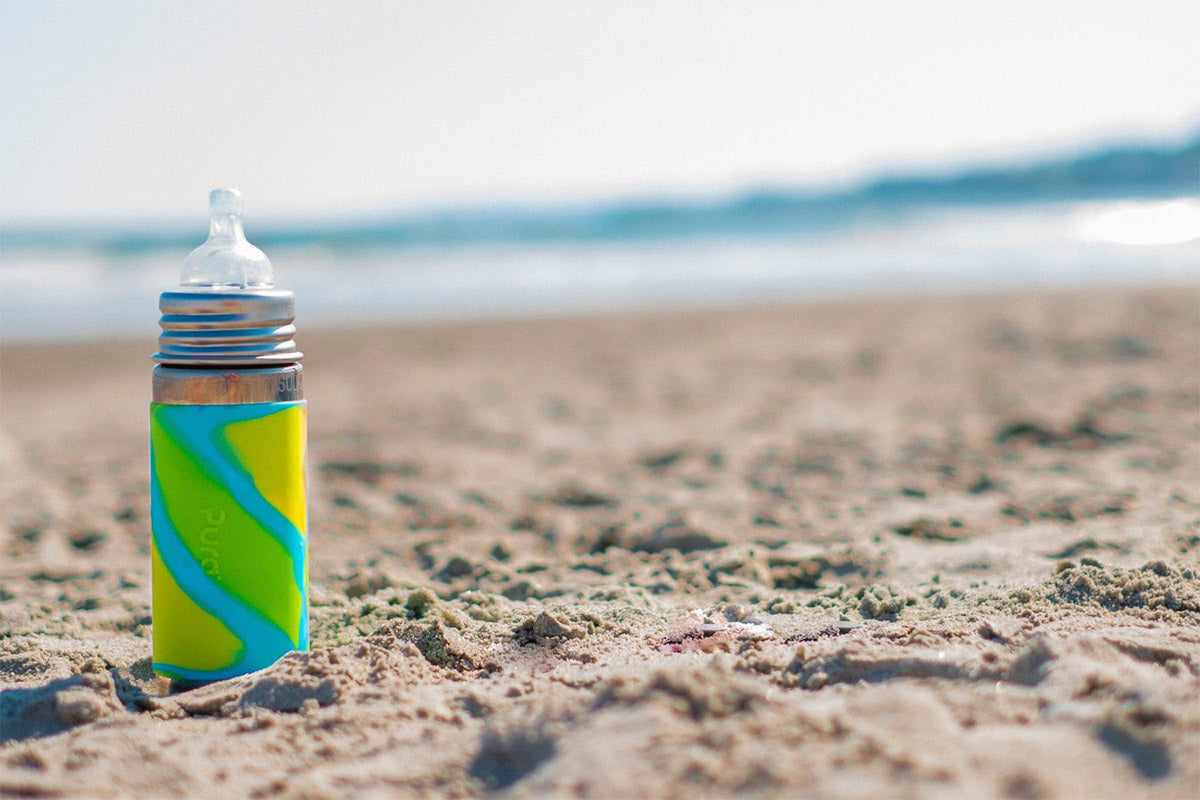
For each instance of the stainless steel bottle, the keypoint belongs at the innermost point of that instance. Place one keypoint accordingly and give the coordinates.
(228, 437)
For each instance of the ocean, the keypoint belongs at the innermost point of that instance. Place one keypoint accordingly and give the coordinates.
(1128, 215)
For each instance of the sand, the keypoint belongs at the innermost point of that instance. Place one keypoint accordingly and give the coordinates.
(937, 547)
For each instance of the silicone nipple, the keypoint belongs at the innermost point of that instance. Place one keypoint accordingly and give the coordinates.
(226, 260)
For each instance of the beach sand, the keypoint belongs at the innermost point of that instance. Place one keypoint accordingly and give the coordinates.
(938, 547)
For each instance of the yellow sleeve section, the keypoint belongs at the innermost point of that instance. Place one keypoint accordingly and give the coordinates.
(184, 633)
(271, 449)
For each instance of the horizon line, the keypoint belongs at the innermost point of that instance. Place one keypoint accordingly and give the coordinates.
(980, 181)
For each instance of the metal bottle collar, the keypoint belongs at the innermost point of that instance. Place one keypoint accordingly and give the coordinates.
(227, 328)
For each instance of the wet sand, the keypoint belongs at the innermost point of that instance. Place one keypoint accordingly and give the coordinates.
(936, 547)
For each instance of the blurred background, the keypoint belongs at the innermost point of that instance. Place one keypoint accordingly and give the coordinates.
(404, 161)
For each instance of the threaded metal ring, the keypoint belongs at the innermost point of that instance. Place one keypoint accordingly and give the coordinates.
(227, 328)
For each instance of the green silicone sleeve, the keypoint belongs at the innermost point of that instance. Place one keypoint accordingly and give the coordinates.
(229, 537)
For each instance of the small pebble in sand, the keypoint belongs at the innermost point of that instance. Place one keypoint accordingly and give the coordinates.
(542, 628)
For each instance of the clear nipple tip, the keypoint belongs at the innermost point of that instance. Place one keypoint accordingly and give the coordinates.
(226, 260)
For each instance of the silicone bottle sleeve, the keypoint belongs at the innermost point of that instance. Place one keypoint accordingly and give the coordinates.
(229, 526)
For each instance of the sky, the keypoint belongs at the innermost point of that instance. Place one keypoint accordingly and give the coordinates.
(119, 111)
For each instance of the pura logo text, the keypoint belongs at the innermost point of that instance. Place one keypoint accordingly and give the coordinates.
(210, 541)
